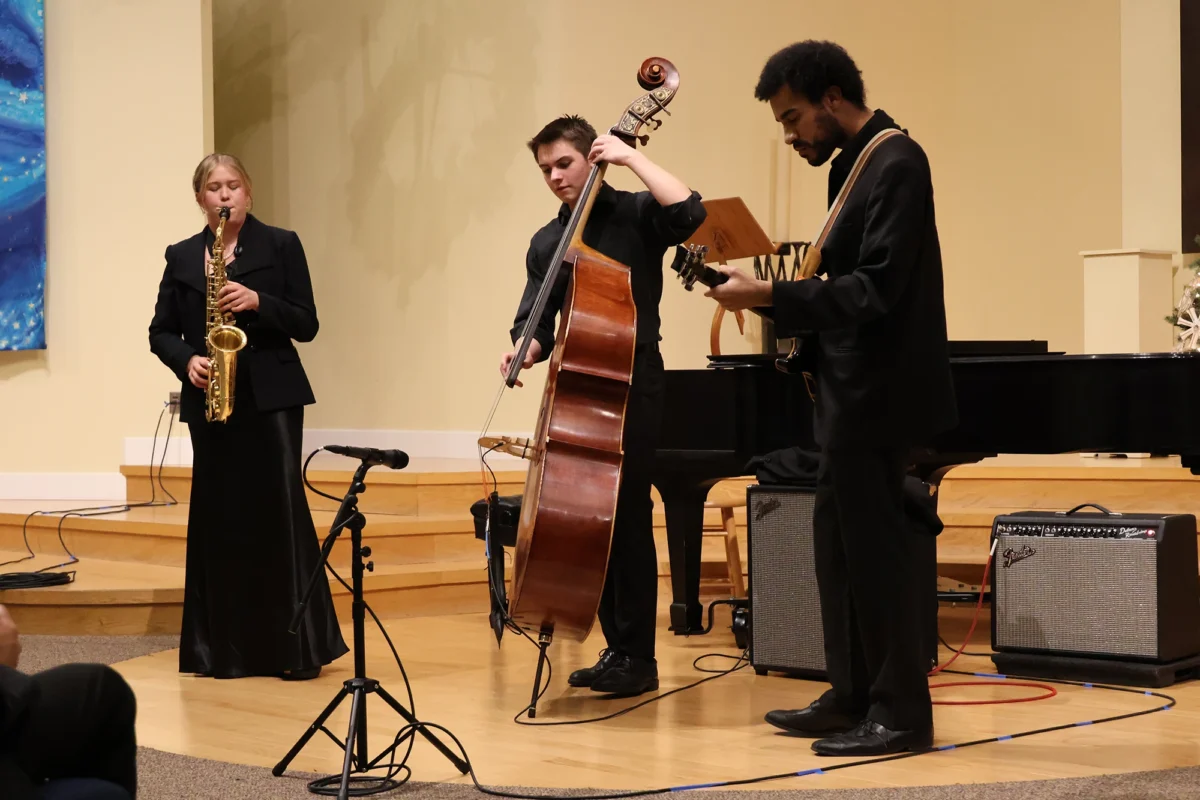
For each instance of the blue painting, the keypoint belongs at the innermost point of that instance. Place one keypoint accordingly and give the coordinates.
(22, 175)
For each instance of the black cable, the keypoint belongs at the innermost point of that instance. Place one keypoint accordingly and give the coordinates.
(740, 662)
(963, 652)
(513, 626)
(1171, 702)
(409, 731)
(44, 577)
(393, 768)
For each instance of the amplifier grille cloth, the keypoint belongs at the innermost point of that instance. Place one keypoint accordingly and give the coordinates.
(1078, 595)
(786, 608)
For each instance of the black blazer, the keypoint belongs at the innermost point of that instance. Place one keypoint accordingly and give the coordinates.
(883, 363)
(271, 263)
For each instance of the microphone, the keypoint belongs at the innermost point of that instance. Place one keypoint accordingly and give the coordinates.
(392, 459)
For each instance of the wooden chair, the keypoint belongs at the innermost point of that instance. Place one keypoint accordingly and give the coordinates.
(727, 496)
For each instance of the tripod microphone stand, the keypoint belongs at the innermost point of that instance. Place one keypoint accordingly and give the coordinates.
(357, 758)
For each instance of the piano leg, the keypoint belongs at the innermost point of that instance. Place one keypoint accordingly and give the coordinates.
(684, 506)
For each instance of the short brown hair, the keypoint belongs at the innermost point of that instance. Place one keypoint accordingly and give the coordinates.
(214, 160)
(576, 130)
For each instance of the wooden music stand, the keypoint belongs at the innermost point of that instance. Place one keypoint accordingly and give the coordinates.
(729, 232)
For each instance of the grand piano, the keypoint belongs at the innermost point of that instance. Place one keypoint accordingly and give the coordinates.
(1013, 397)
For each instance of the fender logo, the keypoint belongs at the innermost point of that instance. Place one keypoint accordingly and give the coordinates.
(1012, 556)
(765, 507)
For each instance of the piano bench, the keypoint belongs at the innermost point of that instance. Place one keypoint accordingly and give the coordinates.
(728, 530)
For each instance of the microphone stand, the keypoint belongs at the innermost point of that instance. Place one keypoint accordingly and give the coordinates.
(356, 751)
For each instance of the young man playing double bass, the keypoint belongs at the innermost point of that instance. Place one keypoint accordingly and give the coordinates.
(883, 385)
(634, 228)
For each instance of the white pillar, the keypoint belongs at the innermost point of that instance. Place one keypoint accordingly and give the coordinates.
(1127, 295)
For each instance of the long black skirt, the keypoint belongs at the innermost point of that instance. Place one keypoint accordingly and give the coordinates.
(251, 547)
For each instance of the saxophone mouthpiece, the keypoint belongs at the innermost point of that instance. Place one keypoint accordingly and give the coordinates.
(223, 212)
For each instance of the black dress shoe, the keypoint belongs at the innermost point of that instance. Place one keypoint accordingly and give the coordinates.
(585, 676)
(819, 719)
(872, 739)
(301, 674)
(628, 677)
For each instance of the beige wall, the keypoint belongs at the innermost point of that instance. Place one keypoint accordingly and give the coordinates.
(1151, 155)
(390, 136)
(125, 127)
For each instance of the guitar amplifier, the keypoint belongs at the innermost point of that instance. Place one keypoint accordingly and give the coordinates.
(785, 605)
(1096, 584)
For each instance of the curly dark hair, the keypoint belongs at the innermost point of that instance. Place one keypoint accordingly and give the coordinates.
(576, 130)
(810, 68)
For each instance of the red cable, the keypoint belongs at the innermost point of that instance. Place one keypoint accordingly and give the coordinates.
(1049, 691)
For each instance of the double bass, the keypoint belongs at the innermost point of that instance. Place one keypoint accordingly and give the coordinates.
(570, 497)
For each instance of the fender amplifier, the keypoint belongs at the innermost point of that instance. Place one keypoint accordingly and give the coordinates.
(785, 606)
(1096, 584)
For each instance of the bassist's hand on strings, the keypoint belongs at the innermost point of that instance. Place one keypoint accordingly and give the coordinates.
(531, 357)
(741, 291)
(197, 371)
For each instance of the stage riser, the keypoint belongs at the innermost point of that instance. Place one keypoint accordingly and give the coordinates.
(1047, 492)
(428, 494)
(165, 617)
(166, 544)
(381, 497)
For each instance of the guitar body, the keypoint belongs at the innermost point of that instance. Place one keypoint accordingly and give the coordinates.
(570, 497)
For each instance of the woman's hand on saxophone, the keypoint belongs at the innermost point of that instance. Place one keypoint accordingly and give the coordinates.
(197, 371)
(235, 297)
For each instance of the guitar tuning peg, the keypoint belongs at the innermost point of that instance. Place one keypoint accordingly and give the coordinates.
(644, 139)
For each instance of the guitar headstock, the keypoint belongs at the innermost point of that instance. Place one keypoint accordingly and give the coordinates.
(689, 263)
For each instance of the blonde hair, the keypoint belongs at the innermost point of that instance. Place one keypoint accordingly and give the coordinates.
(214, 160)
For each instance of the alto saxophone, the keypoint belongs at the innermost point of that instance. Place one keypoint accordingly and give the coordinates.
(222, 337)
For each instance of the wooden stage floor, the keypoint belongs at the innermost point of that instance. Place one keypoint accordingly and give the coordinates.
(714, 732)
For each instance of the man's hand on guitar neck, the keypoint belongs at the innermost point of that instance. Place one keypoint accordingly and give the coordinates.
(741, 291)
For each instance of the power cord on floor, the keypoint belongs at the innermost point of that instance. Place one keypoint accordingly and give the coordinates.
(45, 577)
(409, 731)
(740, 662)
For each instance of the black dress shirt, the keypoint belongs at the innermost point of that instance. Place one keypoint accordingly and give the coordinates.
(630, 227)
(883, 365)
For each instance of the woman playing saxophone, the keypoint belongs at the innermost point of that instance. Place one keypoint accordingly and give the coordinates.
(251, 543)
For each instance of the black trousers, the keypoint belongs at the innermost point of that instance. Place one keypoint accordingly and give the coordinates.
(629, 605)
(867, 583)
(80, 724)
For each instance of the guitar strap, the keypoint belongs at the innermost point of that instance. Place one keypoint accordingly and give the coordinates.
(812, 259)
